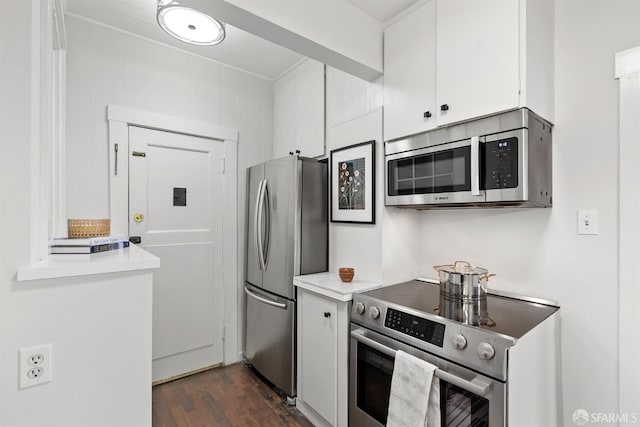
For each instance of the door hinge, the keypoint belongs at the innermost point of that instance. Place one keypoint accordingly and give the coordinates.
(224, 164)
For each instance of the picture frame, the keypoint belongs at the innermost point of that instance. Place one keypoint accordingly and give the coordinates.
(352, 185)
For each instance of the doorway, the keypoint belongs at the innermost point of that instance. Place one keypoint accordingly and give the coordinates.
(189, 222)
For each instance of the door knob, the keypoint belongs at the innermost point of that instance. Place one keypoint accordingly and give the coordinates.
(138, 217)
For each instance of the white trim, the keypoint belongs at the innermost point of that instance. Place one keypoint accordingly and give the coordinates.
(627, 62)
(230, 255)
(288, 70)
(37, 211)
(187, 52)
(407, 11)
(58, 166)
(142, 118)
(628, 75)
(119, 182)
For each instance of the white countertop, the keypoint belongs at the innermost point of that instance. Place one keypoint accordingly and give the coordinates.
(330, 285)
(69, 265)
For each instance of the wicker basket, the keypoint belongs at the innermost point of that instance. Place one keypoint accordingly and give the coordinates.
(84, 228)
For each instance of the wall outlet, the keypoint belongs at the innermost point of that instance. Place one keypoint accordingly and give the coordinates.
(34, 365)
(587, 221)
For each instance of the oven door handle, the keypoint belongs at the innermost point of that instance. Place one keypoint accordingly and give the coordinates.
(475, 386)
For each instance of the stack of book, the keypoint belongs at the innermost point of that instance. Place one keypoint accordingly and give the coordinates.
(88, 246)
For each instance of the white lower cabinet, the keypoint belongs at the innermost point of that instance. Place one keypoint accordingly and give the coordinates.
(323, 326)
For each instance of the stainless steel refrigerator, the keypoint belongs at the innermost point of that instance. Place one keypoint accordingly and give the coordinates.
(287, 236)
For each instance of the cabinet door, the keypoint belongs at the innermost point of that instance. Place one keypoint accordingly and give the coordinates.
(284, 113)
(409, 74)
(477, 57)
(309, 118)
(298, 111)
(319, 350)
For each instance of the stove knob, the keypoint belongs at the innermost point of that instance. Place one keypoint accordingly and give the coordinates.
(360, 308)
(459, 341)
(374, 313)
(486, 351)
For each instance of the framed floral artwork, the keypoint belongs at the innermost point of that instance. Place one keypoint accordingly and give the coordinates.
(353, 183)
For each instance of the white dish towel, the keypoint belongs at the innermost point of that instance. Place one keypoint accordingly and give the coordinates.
(415, 393)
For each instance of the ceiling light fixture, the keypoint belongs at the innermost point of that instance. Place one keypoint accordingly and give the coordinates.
(189, 25)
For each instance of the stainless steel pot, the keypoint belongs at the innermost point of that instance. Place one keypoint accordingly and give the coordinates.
(468, 311)
(462, 280)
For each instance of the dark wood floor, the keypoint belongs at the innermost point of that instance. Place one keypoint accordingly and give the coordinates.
(227, 396)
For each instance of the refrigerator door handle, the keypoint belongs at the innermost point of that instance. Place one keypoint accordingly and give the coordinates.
(267, 245)
(265, 300)
(258, 226)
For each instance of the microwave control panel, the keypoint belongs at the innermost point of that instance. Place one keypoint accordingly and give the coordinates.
(414, 326)
(500, 159)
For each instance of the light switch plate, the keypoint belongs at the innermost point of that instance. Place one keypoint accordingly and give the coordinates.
(587, 221)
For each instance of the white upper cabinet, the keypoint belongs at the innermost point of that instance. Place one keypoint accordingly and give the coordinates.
(298, 111)
(410, 73)
(477, 58)
(454, 60)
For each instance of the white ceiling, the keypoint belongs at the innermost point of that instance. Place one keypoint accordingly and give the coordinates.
(239, 49)
(382, 10)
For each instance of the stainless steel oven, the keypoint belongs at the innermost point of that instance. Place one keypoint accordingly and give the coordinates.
(498, 160)
(466, 397)
(484, 370)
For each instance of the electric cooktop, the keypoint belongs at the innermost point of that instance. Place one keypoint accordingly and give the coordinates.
(512, 316)
(475, 334)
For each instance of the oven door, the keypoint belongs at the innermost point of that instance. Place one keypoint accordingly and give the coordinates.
(466, 397)
(442, 174)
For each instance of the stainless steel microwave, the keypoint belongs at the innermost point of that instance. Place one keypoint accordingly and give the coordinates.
(499, 160)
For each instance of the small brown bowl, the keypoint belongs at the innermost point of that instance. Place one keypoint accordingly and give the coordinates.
(346, 274)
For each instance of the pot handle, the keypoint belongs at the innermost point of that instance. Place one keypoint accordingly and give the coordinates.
(482, 279)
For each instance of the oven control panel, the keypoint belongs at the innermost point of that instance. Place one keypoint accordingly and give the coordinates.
(414, 326)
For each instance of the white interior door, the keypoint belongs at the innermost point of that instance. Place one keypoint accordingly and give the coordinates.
(175, 207)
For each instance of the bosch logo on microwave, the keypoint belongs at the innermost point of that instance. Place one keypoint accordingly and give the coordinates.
(441, 198)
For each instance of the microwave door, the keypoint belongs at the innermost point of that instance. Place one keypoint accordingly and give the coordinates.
(439, 175)
(504, 157)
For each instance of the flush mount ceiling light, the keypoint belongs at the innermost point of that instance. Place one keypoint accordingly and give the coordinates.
(189, 25)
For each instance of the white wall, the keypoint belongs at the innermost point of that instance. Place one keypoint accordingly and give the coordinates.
(105, 66)
(354, 115)
(387, 252)
(84, 319)
(100, 331)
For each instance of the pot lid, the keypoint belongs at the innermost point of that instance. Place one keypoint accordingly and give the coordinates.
(461, 267)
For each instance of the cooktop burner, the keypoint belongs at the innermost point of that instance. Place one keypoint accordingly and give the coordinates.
(508, 316)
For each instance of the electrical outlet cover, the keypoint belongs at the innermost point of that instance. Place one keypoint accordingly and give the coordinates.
(34, 365)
